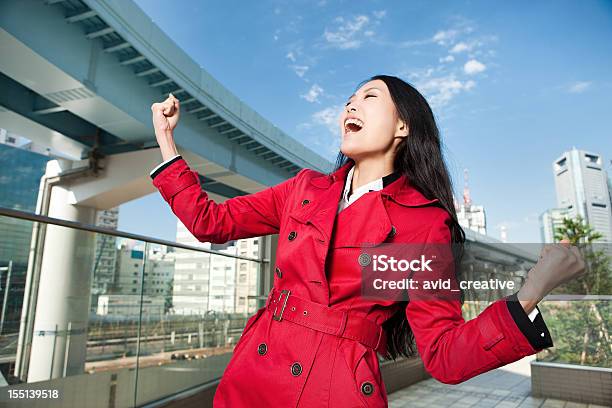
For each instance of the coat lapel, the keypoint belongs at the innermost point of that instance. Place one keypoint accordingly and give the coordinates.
(321, 211)
(366, 221)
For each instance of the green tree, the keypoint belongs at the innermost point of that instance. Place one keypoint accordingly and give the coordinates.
(582, 326)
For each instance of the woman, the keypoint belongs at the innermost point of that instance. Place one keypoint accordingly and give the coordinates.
(315, 342)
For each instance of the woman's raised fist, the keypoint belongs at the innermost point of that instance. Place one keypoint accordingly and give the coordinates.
(558, 264)
(165, 115)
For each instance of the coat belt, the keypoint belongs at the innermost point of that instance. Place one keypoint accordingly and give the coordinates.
(286, 306)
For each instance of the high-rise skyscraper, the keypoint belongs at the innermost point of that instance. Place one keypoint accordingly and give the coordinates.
(20, 173)
(582, 189)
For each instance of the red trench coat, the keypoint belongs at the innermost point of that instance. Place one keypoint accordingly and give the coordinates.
(283, 364)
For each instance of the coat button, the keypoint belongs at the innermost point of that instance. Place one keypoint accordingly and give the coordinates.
(367, 388)
(262, 349)
(296, 369)
(292, 235)
(279, 273)
(364, 259)
(304, 202)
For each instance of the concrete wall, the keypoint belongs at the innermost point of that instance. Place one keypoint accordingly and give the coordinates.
(583, 384)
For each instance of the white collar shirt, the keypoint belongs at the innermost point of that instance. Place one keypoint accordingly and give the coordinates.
(347, 199)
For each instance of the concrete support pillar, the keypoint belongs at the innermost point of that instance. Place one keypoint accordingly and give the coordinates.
(62, 309)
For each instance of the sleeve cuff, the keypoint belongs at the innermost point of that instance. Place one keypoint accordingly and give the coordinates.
(533, 314)
(160, 167)
(532, 326)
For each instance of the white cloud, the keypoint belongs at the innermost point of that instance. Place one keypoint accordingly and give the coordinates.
(439, 90)
(299, 70)
(445, 37)
(473, 67)
(579, 87)
(448, 58)
(460, 47)
(452, 39)
(290, 56)
(328, 117)
(380, 14)
(346, 36)
(469, 84)
(313, 93)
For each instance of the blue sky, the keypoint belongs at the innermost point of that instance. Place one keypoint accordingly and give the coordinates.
(512, 84)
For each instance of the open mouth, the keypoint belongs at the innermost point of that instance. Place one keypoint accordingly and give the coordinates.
(352, 125)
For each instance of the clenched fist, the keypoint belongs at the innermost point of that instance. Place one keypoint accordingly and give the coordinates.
(165, 118)
(558, 264)
(165, 115)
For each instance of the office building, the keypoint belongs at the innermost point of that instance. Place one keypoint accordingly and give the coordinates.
(582, 187)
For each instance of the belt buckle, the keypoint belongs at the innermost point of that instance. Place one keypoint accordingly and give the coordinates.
(280, 316)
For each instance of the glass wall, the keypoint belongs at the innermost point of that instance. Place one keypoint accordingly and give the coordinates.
(124, 321)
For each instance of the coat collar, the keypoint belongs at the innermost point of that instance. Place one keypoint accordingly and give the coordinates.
(400, 190)
(322, 211)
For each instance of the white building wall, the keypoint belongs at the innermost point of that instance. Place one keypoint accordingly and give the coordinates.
(581, 184)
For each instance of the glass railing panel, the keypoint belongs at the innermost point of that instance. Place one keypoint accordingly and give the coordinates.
(71, 313)
(191, 322)
(107, 319)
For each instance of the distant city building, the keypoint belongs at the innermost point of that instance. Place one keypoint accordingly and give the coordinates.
(105, 257)
(130, 305)
(582, 187)
(550, 221)
(158, 272)
(247, 276)
(191, 275)
(469, 215)
(232, 280)
(213, 283)
(20, 174)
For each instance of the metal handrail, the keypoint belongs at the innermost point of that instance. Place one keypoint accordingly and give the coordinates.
(9, 212)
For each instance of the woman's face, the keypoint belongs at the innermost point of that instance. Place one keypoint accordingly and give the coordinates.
(377, 123)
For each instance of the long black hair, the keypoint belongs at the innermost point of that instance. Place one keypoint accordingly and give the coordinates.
(419, 157)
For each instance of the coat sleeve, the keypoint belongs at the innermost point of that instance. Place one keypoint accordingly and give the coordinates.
(454, 350)
(246, 216)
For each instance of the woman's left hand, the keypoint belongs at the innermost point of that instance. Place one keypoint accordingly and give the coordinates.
(558, 264)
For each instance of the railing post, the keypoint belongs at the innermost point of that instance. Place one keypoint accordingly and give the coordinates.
(7, 287)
